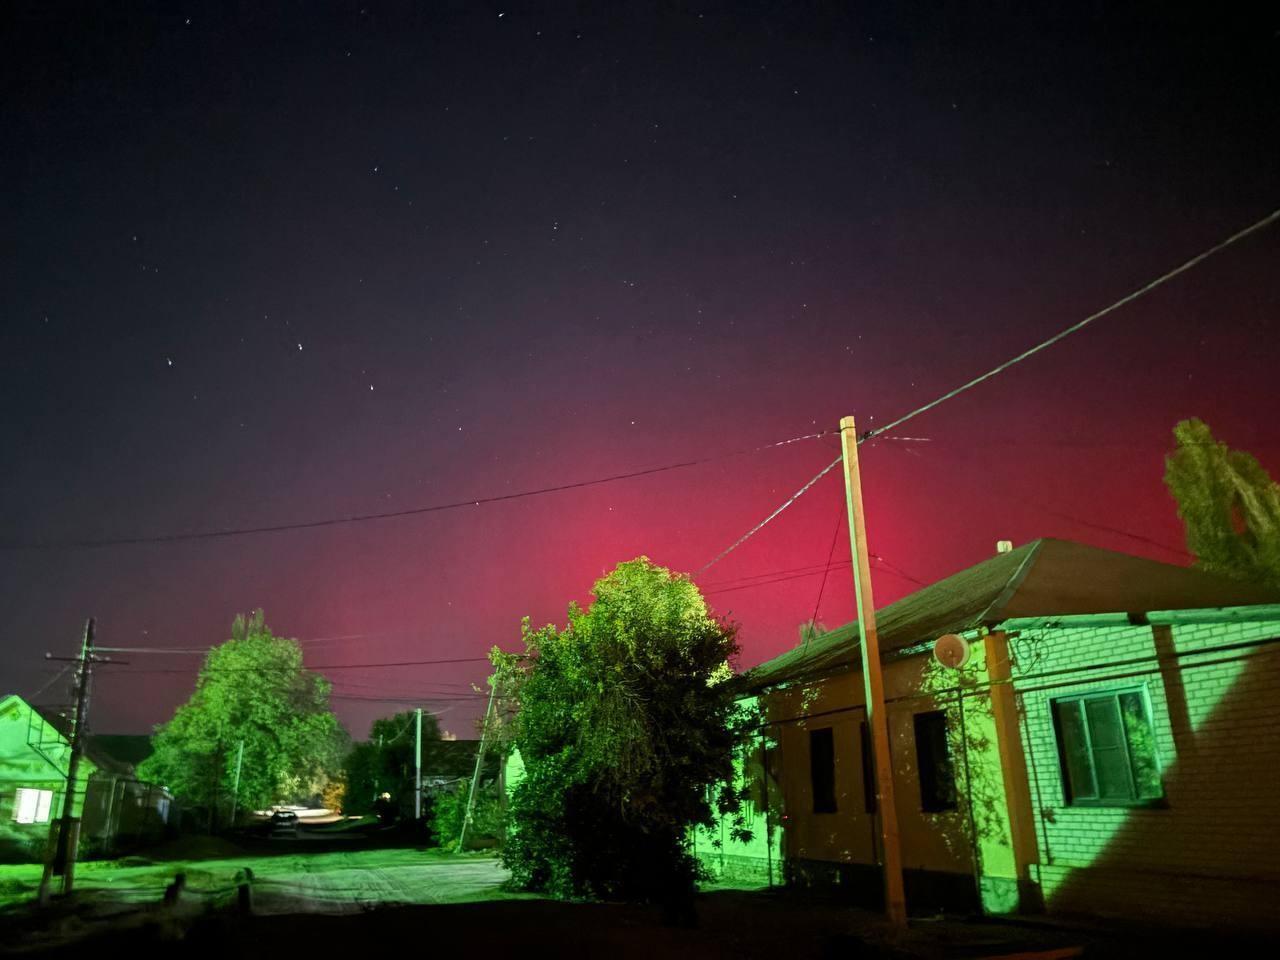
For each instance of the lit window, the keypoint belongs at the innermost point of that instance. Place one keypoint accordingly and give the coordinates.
(32, 806)
(933, 760)
(1107, 749)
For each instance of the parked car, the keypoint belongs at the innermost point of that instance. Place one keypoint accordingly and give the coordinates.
(283, 823)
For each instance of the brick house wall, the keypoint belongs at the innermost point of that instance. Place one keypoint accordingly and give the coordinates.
(1209, 851)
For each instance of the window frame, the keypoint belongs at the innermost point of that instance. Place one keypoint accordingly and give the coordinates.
(834, 806)
(43, 803)
(1070, 795)
(943, 804)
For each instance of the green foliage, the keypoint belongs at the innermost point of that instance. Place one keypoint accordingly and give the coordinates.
(386, 763)
(1228, 503)
(980, 819)
(628, 732)
(251, 689)
(488, 818)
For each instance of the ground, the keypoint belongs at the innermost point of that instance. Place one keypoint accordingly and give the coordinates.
(332, 895)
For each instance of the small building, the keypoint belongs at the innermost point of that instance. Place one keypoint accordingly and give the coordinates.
(1104, 741)
(34, 755)
(117, 811)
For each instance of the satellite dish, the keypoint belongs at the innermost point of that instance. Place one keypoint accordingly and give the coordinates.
(951, 650)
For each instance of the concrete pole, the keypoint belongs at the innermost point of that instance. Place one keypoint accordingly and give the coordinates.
(894, 899)
(417, 771)
(235, 794)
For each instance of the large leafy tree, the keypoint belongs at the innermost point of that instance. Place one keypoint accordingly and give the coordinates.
(386, 763)
(1228, 503)
(627, 731)
(252, 690)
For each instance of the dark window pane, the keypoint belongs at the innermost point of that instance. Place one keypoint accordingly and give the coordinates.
(1110, 752)
(1142, 747)
(933, 757)
(868, 768)
(1075, 751)
(822, 770)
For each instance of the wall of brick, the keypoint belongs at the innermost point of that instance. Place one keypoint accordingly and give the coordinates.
(1211, 852)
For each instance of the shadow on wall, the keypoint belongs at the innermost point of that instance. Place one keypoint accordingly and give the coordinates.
(1209, 853)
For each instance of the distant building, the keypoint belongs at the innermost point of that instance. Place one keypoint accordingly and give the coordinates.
(1110, 745)
(116, 809)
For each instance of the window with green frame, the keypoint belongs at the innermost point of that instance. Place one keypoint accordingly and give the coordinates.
(1107, 749)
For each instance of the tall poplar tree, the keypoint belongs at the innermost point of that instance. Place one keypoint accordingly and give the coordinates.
(252, 690)
(1228, 503)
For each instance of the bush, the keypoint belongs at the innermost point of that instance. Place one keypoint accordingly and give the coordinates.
(627, 731)
(488, 819)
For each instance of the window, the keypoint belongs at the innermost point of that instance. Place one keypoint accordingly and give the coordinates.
(933, 758)
(1107, 749)
(32, 806)
(822, 769)
(868, 769)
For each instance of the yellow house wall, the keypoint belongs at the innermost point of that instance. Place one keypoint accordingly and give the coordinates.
(850, 835)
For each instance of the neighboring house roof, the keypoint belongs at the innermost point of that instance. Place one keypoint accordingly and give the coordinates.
(454, 759)
(1044, 578)
(57, 726)
(124, 749)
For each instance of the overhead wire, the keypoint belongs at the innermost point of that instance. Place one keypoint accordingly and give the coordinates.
(1000, 368)
(826, 572)
(1080, 325)
(390, 514)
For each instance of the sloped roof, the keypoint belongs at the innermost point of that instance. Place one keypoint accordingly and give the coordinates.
(124, 748)
(1044, 578)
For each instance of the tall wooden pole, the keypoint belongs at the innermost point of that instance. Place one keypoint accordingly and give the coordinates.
(69, 831)
(894, 899)
(475, 775)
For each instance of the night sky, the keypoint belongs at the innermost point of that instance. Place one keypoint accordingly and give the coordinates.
(264, 266)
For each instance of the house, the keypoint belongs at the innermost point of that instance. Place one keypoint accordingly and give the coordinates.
(34, 755)
(1104, 741)
(114, 807)
(448, 763)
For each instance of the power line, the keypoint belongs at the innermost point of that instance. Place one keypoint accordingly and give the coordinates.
(761, 525)
(49, 683)
(1062, 334)
(390, 514)
(878, 431)
(317, 668)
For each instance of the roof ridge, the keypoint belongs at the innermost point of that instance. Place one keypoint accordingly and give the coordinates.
(1015, 581)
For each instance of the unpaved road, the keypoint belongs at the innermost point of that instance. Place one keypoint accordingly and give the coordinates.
(330, 886)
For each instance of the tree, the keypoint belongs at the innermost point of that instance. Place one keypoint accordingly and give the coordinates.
(253, 690)
(1228, 503)
(386, 763)
(627, 730)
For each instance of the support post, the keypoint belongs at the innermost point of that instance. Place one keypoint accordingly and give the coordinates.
(894, 899)
(235, 792)
(417, 770)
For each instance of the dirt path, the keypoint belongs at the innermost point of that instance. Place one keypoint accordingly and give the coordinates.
(337, 887)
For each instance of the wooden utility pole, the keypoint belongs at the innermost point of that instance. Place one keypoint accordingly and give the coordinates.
(69, 828)
(475, 775)
(895, 903)
(417, 771)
